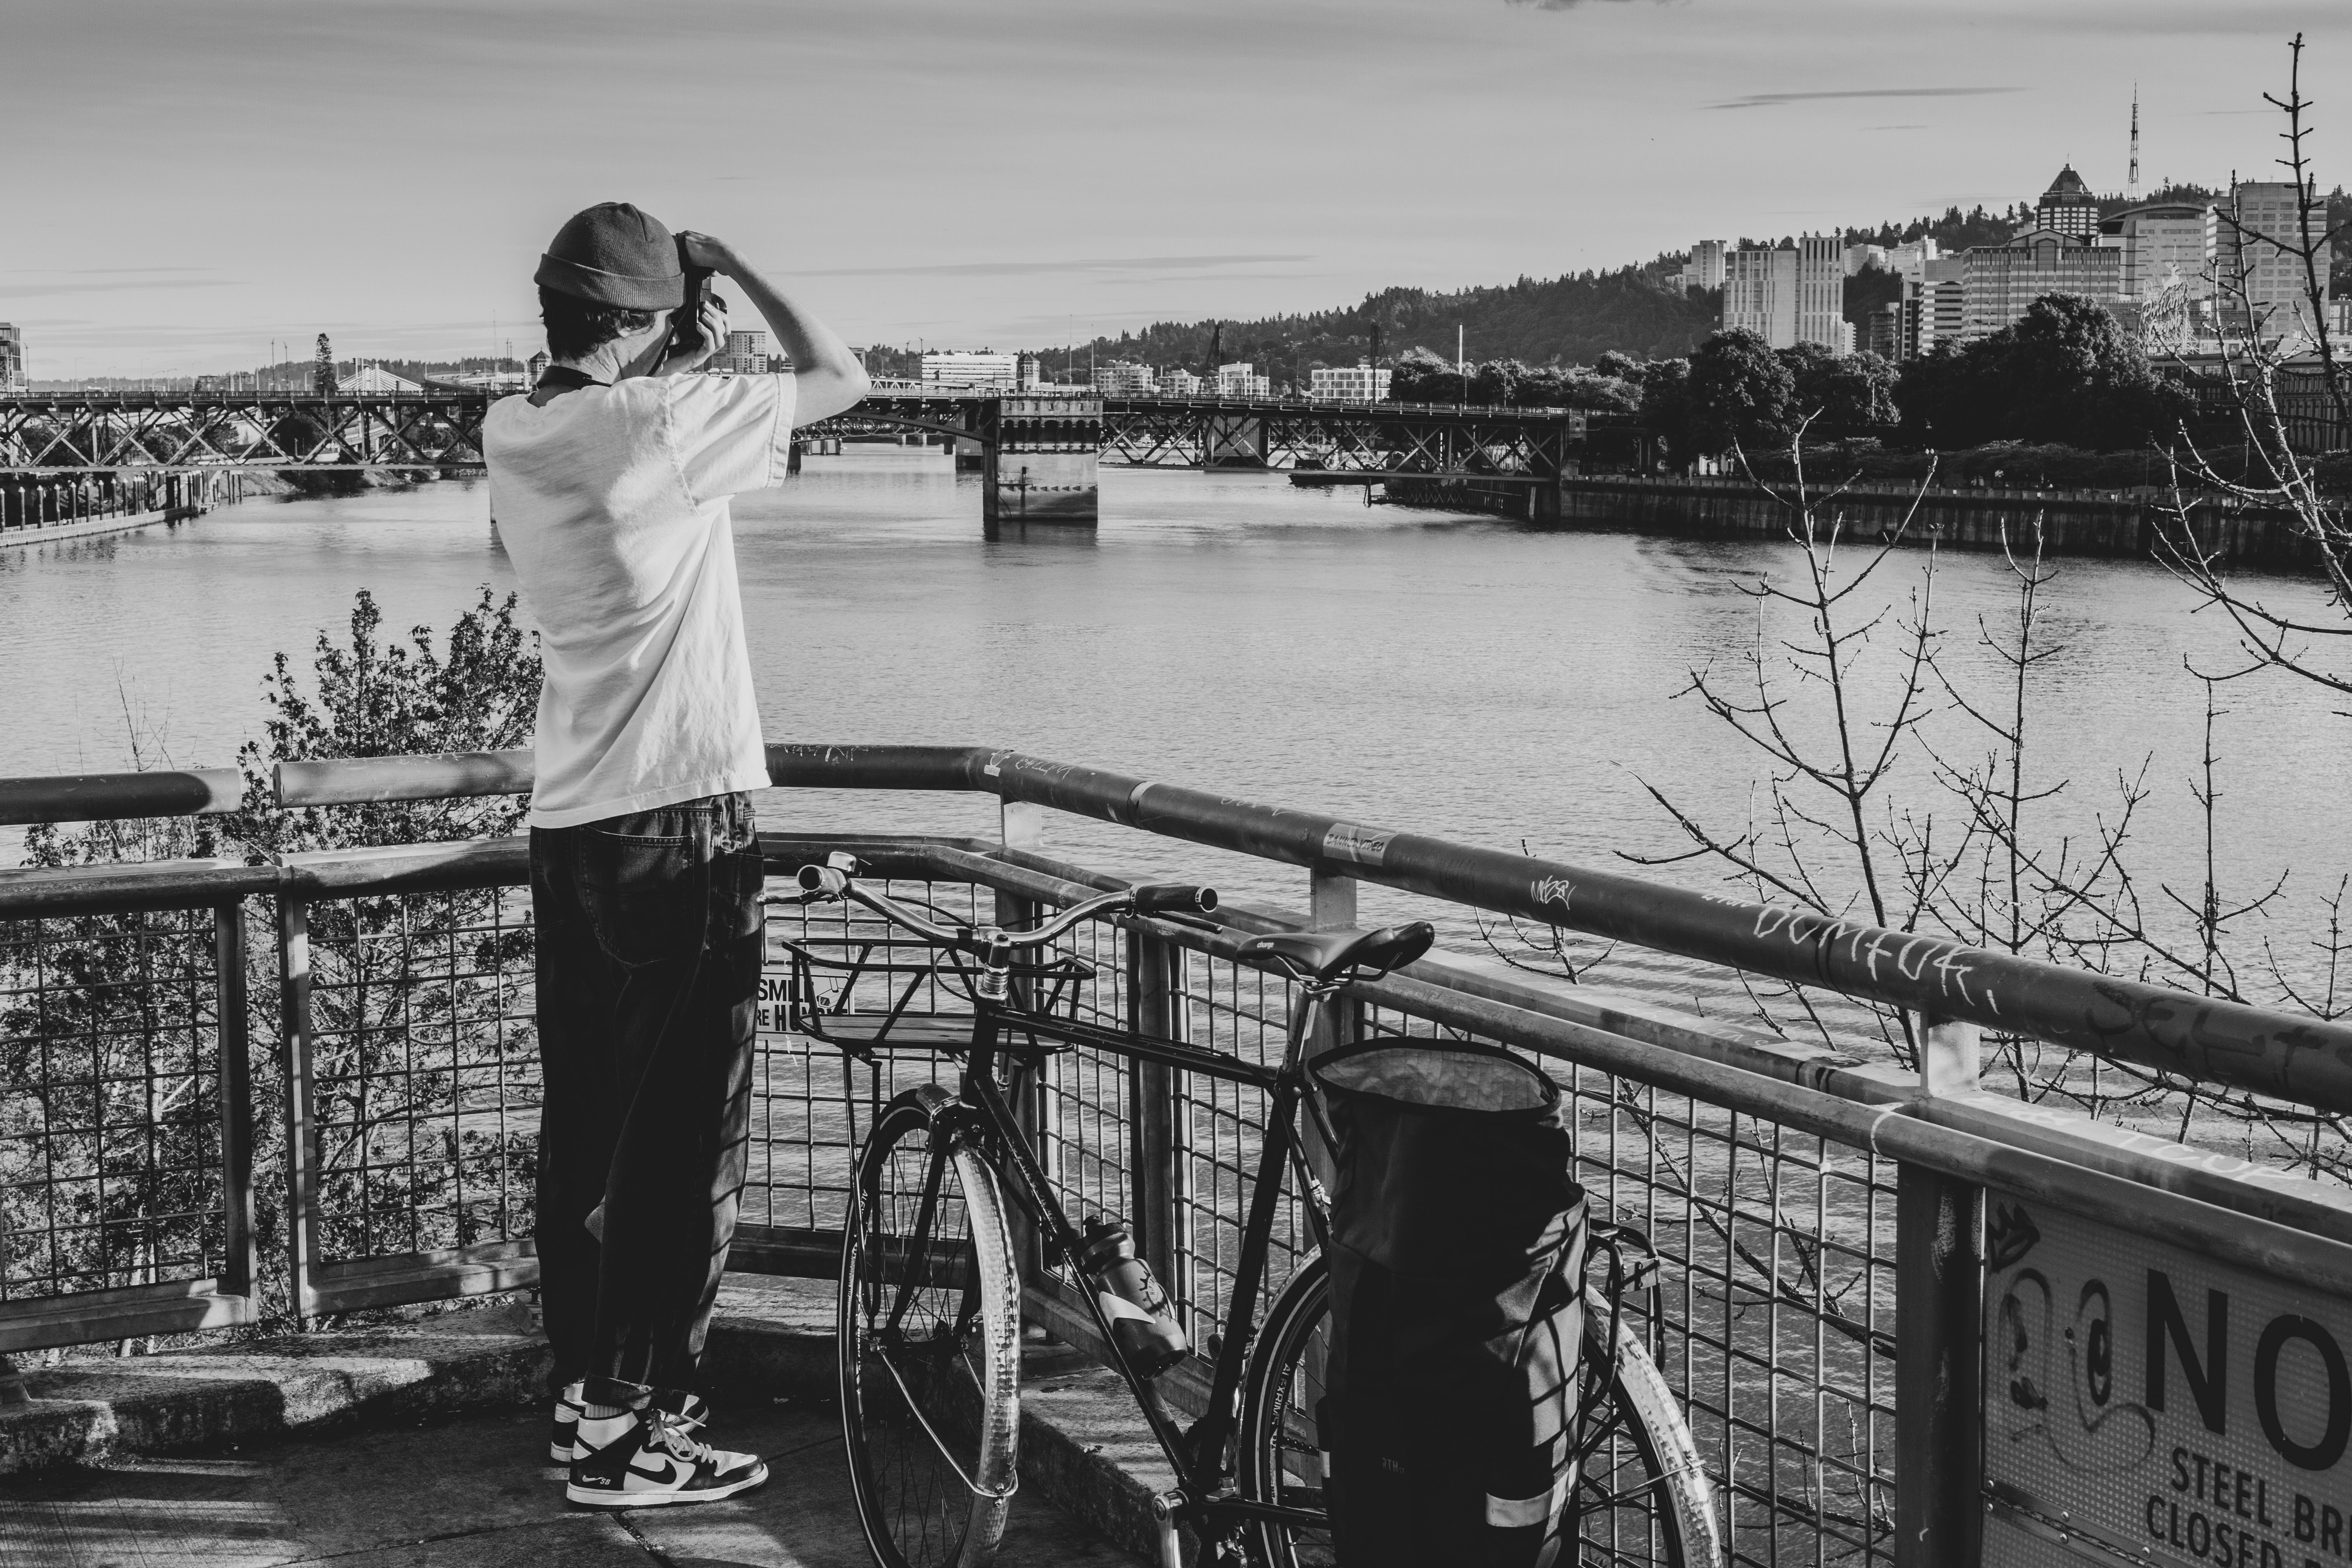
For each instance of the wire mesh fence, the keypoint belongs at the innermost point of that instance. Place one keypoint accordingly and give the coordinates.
(425, 1069)
(113, 1173)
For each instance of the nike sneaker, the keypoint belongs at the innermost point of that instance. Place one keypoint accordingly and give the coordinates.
(647, 1458)
(687, 1410)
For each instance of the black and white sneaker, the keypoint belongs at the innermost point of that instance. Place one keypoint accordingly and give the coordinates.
(646, 1458)
(686, 1411)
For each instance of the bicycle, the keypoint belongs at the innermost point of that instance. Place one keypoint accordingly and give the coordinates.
(930, 1295)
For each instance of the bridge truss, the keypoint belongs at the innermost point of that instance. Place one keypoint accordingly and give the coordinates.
(1340, 437)
(443, 430)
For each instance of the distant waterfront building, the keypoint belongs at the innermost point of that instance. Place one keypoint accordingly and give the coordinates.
(1125, 378)
(1884, 329)
(374, 378)
(1028, 372)
(1179, 382)
(535, 367)
(2249, 253)
(2067, 207)
(1240, 380)
(972, 370)
(1347, 384)
(12, 356)
(1910, 262)
(1857, 256)
(1942, 308)
(745, 354)
(1999, 282)
(2166, 246)
(1704, 267)
(1789, 294)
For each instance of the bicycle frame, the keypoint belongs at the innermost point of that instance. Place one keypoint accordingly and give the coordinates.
(1197, 1454)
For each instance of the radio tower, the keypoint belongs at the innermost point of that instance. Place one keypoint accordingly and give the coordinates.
(2131, 185)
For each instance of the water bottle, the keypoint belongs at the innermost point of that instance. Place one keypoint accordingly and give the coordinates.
(1142, 1321)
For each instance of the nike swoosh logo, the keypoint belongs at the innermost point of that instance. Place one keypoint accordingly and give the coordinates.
(668, 1472)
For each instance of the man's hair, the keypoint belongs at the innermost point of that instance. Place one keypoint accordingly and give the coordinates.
(577, 327)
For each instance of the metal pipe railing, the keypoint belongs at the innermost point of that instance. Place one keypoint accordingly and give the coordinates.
(94, 797)
(2299, 1059)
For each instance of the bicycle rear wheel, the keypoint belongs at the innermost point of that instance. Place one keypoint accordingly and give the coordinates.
(1641, 1497)
(929, 1343)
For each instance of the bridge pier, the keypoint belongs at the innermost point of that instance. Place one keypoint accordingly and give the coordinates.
(1040, 461)
(1234, 441)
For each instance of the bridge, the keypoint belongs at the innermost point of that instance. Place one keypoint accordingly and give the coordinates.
(1039, 452)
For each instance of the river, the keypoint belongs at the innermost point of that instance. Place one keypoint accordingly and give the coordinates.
(1478, 678)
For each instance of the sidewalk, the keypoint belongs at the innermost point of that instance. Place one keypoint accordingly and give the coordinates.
(424, 1445)
(468, 1490)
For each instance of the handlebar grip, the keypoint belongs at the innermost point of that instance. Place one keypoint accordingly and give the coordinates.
(1174, 899)
(823, 880)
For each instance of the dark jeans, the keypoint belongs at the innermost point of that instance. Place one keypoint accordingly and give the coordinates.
(649, 946)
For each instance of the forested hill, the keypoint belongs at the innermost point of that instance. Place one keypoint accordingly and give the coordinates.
(1558, 321)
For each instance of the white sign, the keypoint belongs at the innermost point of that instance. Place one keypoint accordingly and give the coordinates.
(2143, 1402)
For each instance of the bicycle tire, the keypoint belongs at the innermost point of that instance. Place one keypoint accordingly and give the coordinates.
(1641, 1495)
(929, 1406)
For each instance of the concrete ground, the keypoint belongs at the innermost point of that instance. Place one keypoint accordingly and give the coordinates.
(459, 1490)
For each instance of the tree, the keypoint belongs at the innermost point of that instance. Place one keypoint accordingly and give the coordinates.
(2065, 373)
(1740, 393)
(1666, 406)
(1843, 391)
(413, 997)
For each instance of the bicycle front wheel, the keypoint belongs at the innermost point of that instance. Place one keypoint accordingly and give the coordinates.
(1642, 1498)
(929, 1343)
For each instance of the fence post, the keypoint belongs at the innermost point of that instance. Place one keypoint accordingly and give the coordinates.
(302, 1125)
(230, 997)
(1020, 824)
(1940, 1337)
(1155, 1007)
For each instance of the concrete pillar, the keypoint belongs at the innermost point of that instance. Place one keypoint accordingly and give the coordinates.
(1043, 465)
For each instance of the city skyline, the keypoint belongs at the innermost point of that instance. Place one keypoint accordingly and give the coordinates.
(387, 176)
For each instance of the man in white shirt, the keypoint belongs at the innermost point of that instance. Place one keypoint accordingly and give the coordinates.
(610, 484)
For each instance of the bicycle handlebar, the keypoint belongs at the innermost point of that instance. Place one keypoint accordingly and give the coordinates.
(1149, 898)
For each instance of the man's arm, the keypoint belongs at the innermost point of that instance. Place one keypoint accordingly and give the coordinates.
(829, 378)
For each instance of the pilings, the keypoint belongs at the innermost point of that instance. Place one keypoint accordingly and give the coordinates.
(37, 505)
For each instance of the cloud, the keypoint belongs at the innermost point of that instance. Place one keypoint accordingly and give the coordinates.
(34, 290)
(1036, 269)
(1775, 100)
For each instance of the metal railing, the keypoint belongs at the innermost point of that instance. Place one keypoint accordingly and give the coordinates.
(1802, 1199)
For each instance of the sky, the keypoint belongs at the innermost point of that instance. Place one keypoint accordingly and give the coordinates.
(183, 181)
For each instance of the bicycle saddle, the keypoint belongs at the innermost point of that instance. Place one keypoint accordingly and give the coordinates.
(1324, 955)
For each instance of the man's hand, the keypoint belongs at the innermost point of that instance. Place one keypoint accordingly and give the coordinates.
(703, 251)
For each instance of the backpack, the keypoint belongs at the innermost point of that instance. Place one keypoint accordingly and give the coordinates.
(1456, 1259)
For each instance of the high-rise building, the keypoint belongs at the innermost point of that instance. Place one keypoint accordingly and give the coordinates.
(1857, 256)
(1123, 378)
(974, 370)
(2253, 233)
(1347, 384)
(12, 357)
(2067, 207)
(745, 354)
(1178, 383)
(1999, 282)
(1789, 294)
(1884, 328)
(1942, 304)
(1909, 261)
(2167, 246)
(1240, 380)
(1704, 267)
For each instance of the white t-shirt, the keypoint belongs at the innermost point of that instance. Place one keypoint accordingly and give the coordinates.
(612, 502)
